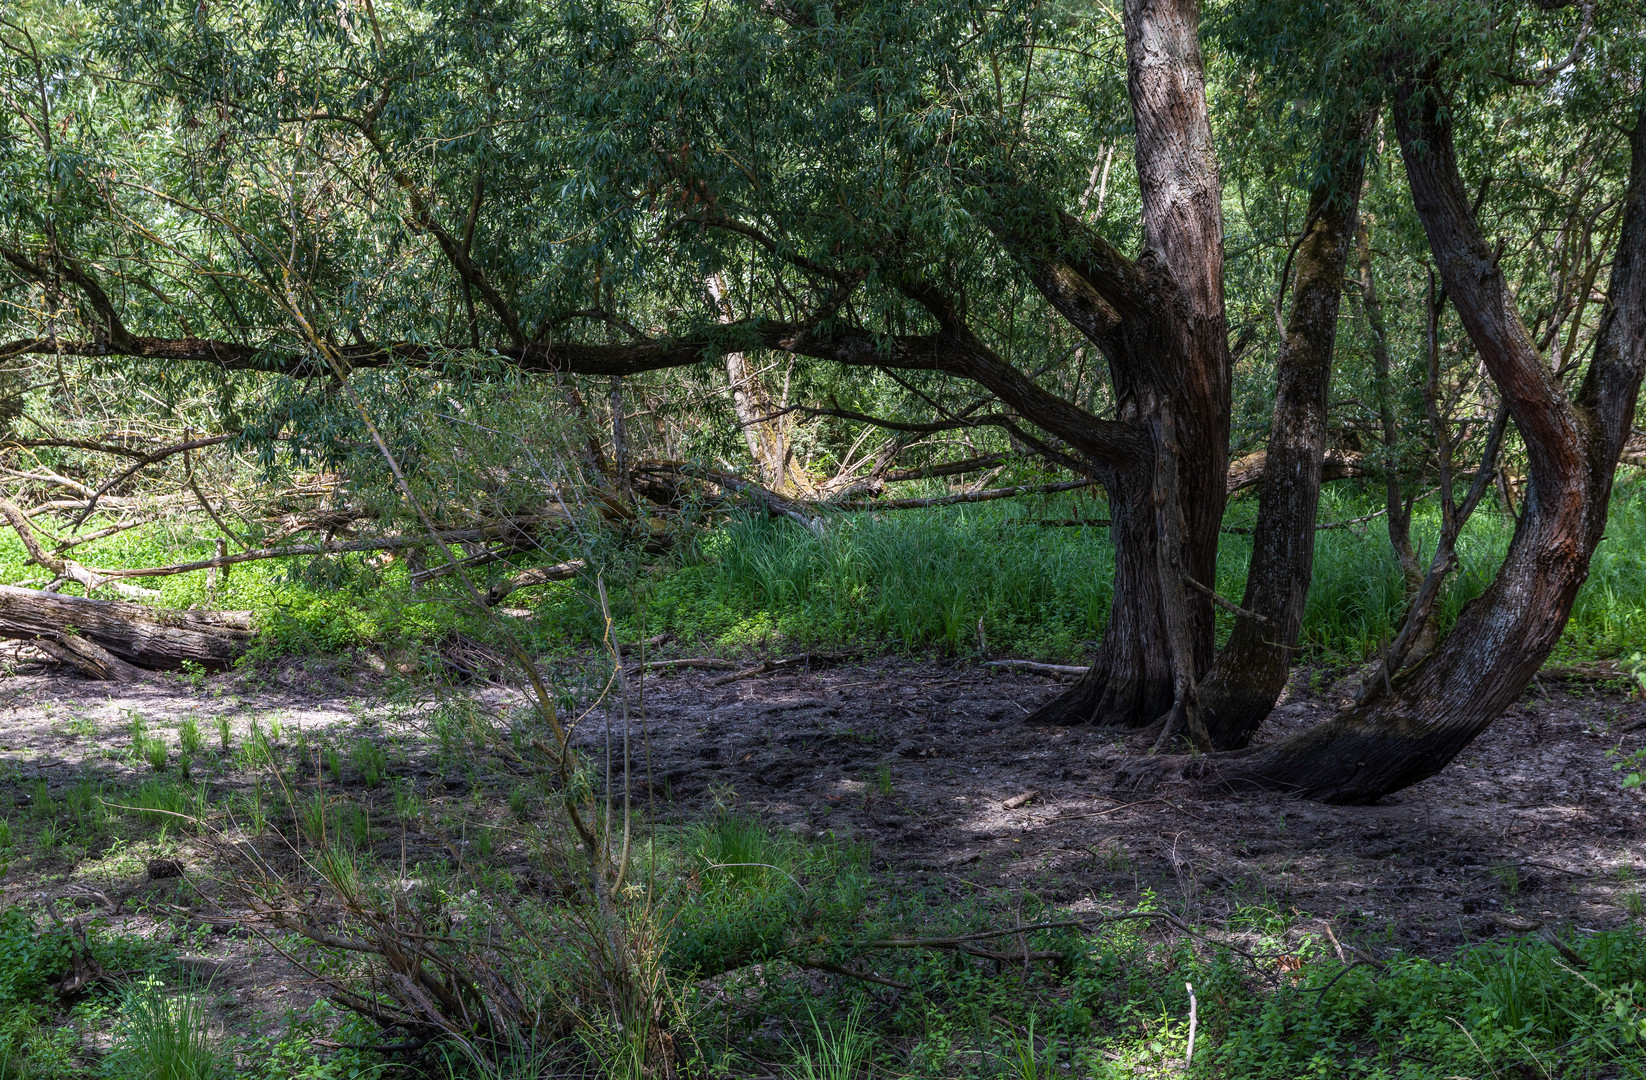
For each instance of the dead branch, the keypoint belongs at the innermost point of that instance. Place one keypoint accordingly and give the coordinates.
(63, 568)
(768, 666)
(703, 662)
(336, 547)
(144, 462)
(988, 495)
(1060, 671)
(1220, 600)
(537, 575)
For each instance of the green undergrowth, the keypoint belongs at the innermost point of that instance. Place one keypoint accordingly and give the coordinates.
(763, 924)
(762, 936)
(898, 581)
(923, 579)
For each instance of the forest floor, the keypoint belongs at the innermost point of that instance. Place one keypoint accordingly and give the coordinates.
(928, 760)
(932, 761)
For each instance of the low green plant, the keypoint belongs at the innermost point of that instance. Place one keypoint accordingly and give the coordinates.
(161, 802)
(833, 1053)
(31, 956)
(312, 813)
(258, 748)
(164, 1036)
(223, 734)
(371, 762)
(407, 806)
(520, 802)
(138, 729)
(156, 754)
(42, 807)
(189, 739)
(333, 763)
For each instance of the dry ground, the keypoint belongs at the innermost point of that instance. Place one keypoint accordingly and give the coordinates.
(931, 761)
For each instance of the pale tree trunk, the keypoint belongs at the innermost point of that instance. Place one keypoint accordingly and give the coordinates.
(765, 433)
(1413, 729)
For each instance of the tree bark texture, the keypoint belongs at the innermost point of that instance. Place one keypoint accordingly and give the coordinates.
(1160, 323)
(1413, 729)
(142, 636)
(1252, 667)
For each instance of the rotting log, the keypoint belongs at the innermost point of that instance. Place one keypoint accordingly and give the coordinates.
(131, 634)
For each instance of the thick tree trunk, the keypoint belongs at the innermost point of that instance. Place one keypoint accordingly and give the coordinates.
(141, 636)
(1162, 326)
(1252, 668)
(1183, 234)
(1130, 681)
(1435, 709)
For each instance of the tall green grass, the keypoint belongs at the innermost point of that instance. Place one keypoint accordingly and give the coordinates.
(903, 580)
(923, 579)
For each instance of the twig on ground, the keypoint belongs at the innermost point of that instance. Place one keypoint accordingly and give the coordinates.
(1060, 671)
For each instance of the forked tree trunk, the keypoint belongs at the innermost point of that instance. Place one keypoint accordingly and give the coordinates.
(1252, 667)
(1162, 326)
(1411, 731)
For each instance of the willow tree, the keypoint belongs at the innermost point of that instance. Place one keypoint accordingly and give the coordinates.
(873, 183)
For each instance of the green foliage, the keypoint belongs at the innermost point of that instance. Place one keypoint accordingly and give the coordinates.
(161, 802)
(189, 739)
(834, 1053)
(290, 1054)
(164, 1036)
(749, 898)
(30, 957)
(922, 579)
(1493, 1009)
(370, 761)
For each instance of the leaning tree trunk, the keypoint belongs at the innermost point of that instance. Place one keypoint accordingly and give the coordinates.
(1251, 670)
(1411, 730)
(1162, 326)
(120, 634)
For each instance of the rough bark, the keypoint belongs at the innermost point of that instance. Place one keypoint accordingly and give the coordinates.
(1161, 325)
(1415, 727)
(1252, 667)
(141, 636)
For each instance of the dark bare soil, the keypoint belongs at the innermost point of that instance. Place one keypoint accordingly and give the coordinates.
(931, 761)
(1529, 823)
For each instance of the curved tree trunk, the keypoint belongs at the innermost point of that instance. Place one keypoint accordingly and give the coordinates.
(1410, 731)
(1251, 670)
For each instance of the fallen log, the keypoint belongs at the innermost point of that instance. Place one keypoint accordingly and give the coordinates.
(537, 575)
(132, 634)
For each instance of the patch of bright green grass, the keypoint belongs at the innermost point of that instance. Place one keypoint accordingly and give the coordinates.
(903, 580)
(923, 579)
